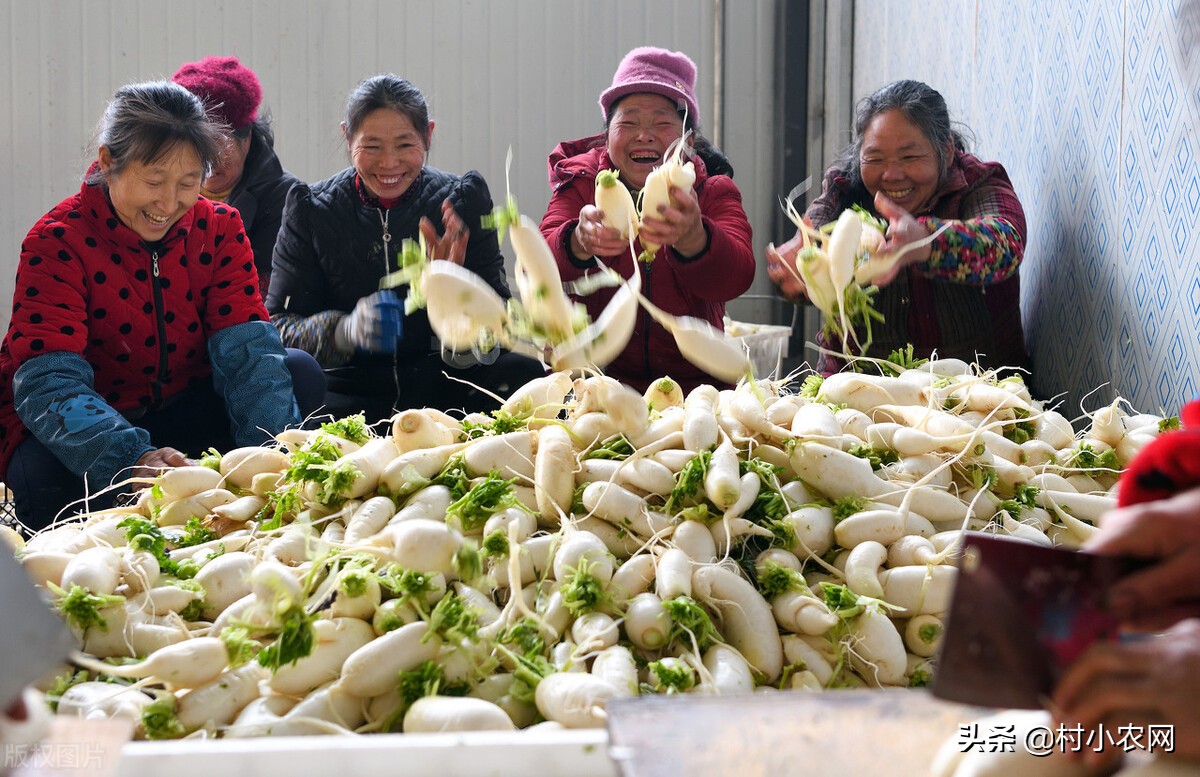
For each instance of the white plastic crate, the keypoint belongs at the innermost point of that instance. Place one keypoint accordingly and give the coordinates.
(767, 344)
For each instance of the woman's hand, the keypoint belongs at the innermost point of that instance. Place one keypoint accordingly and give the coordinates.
(451, 245)
(1165, 532)
(1153, 681)
(781, 268)
(902, 230)
(677, 225)
(591, 238)
(152, 463)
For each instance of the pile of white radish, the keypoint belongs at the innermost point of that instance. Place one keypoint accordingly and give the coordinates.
(583, 543)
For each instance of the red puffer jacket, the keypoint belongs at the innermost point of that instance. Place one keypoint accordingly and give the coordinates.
(697, 287)
(87, 284)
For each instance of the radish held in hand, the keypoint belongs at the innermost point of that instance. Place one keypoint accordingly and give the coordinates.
(615, 201)
(656, 193)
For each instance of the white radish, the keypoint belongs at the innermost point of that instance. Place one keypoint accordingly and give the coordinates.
(98, 570)
(656, 191)
(94, 700)
(509, 454)
(539, 283)
(421, 545)
(647, 622)
(335, 641)
(182, 482)
(240, 466)
(438, 714)
(674, 574)
(186, 664)
(410, 471)
(923, 635)
(696, 541)
(746, 618)
(922, 590)
(423, 428)
(216, 703)
(616, 203)
(722, 481)
(616, 665)
(728, 674)
(574, 699)
(373, 668)
(369, 519)
(428, 504)
(593, 632)
(463, 308)
(553, 481)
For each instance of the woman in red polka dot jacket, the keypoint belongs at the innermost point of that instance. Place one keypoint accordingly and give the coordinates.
(137, 330)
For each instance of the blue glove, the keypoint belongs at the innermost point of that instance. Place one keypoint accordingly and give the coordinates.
(374, 325)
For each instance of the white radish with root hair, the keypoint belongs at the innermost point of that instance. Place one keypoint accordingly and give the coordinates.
(656, 192)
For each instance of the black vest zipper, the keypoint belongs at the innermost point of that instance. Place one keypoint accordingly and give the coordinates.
(157, 384)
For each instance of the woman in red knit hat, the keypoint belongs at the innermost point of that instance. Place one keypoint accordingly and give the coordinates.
(247, 175)
(706, 257)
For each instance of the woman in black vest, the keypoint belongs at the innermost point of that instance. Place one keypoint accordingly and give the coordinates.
(341, 236)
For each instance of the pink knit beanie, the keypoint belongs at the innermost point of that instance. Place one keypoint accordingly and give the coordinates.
(671, 74)
(230, 90)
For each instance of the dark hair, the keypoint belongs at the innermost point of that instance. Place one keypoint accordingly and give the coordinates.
(715, 161)
(145, 121)
(922, 105)
(387, 91)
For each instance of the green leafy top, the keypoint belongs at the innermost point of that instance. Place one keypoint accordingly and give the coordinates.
(617, 448)
(353, 428)
(142, 535)
(82, 608)
(672, 677)
(195, 533)
(689, 621)
(847, 506)
(502, 423)
(454, 619)
(295, 638)
(486, 497)
(582, 591)
(902, 359)
(775, 579)
(159, 720)
(811, 387)
(879, 457)
(688, 481)
(1168, 424)
(211, 458)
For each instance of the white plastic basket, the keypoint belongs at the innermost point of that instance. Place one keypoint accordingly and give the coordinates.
(766, 343)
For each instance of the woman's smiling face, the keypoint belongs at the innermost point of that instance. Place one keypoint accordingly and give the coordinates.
(897, 159)
(388, 152)
(149, 197)
(642, 126)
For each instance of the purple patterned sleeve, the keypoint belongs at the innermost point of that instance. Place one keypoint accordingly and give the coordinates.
(313, 334)
(986, 243)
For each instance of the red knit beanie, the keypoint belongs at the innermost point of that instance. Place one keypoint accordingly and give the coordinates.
(230, 90)
(671, 74)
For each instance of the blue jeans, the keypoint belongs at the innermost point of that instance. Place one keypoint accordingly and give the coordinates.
(193, 422)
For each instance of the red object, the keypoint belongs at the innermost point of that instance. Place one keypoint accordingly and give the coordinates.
(230, 91)
(1166, 466)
